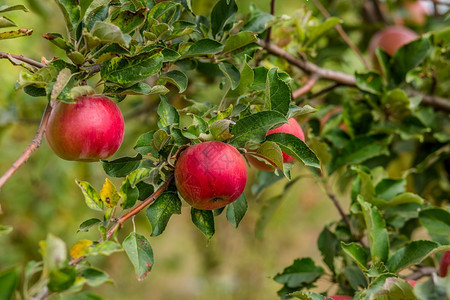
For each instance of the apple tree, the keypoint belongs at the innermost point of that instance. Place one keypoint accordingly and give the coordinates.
(369, 123)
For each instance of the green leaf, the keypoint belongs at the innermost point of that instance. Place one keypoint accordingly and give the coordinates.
(307, 296)
(71, 12)
(295, 147)
(388, 188)
(15, 34)
(128, 20)
(408, 57)
(412, 254)
(94, 277)
(61, 82)
(105, 248)
(435, 220)
(61, 279)
(161, 8)
(203, 220)
(4, 230)
(239, 40)
(204, 47)
(127, 71)
(363, 148)
(254, 127)
(370, 82)
(329, 246)
(376, 228)
(122, 166)
(303, 272)
(221, 15)
(128, 190)
(6, 8)
(109, 33)
(86, 225)
(6, 22)
(140, 254)
(435, 288)
(246, 80)
(82, 90)
(9, 281)
(91, 197)
(54, 253)
(231, 73)
(271, 152)
(81, 296)
(317, 31)
(161, 210)
(258, 22)
(389, 287)
(236, 210)
(278, 93)
(144, 144)
(357, 253)
(176, 77)
(168, 115)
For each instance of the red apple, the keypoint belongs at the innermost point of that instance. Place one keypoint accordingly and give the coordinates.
(210, 175)
(340, 297)
(391, 39)
(291, 127)
(445, 263)
(90, 129)
(411, 282)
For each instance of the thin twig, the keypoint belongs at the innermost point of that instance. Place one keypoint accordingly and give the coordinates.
(35, 143)
(272, 12)
(342, 33)
(421, 272)
(129, 215)
(342, 78)
(306, 87)
(22, 58)
(325, 90)
(379, 12)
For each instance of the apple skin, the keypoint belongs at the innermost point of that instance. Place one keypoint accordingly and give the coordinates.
(411, 282)
(291, 127)
(210, 175)
(89, 130)
(340, 297)
(391, 39)
(445, 264)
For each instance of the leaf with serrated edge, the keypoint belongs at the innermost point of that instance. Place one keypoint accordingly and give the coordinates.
(176, 77)
(161, 210)
(236, 210)
(91, 196)
(203, 220)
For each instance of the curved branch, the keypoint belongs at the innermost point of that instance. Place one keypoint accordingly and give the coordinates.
(422, 272)
(35, 143)
(306, 87)
(22, 58)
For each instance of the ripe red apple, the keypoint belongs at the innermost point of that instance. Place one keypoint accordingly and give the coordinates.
(445, 264)
(90, 129)
(291, 127)
(391, 39)
(210, 175)
(340, 297)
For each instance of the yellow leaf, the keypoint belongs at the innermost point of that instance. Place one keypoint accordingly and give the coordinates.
(80, 248)
(109, 194)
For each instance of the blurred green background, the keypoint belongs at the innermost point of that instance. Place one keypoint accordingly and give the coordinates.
(42, 196)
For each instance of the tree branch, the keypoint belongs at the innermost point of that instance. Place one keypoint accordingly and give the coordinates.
(22, 58)
(342, 33)
(342, 78)
(35, 143)
(272, 12)
(129, 215)
(306, 87)
(421, 272)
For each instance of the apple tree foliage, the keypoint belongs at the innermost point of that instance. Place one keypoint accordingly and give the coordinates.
(358, 132)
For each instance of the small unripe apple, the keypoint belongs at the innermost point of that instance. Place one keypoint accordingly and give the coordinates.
(445, 264)
(340, 297)
(391, 39)
(292, 127)
(90, 129)
(210, 175)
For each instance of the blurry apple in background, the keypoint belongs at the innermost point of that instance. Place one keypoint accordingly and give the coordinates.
(411, 13)
(210, 175)
(391, 39)
(90, 129)
(445, 264)
(340, 297)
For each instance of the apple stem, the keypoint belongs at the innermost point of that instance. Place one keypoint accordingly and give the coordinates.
(35, 143)
(342, 33)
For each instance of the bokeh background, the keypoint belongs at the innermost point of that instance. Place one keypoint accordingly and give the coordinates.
(42, 196)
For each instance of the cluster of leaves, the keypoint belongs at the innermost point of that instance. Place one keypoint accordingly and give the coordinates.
(6, 22)
(121, 48)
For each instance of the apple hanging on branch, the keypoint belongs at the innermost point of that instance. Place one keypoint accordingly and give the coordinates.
(89, 130)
